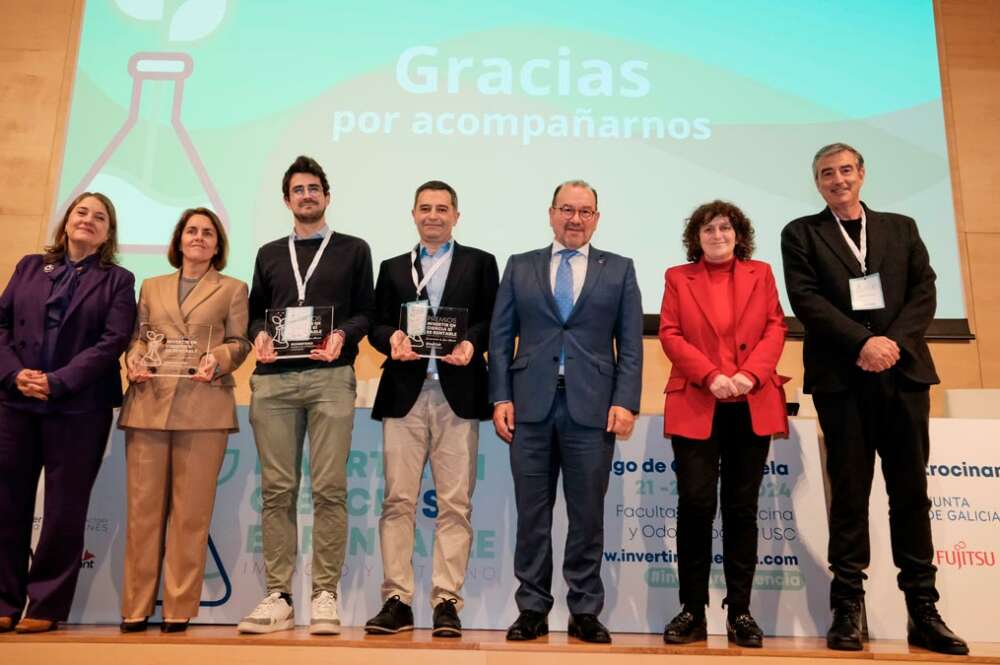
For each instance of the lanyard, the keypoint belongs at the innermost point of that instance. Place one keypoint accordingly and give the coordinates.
(860, 253)
(421, 283)
(300, 283)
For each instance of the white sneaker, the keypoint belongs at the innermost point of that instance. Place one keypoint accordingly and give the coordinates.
(324, 619)
(272, 614)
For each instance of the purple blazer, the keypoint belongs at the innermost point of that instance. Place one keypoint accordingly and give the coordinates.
(95, 331)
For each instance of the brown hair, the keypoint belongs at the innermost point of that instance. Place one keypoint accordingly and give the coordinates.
(704, 214)
(174, 254)
(303, 164)
(108, 251)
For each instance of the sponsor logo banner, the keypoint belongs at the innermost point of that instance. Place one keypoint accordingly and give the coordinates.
(639, 562)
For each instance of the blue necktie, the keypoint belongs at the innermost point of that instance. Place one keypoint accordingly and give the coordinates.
(564, 292)
(564, 283)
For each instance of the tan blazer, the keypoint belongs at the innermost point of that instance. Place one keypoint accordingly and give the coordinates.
(178, 403)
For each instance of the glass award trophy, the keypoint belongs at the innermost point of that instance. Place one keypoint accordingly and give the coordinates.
(172, 350)
(295, 331)
(433, 332)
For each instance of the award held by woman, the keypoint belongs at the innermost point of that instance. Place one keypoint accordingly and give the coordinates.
(295, 331)
(172, 350)
(433, 332)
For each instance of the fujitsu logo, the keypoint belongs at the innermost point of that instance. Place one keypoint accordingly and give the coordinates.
(960, 556)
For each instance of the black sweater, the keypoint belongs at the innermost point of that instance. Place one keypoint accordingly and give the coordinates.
(343, 279)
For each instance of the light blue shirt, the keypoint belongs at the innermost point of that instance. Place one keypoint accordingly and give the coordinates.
(319, 235)
(435, 286)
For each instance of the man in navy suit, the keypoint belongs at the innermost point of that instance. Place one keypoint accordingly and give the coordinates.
(573, 386)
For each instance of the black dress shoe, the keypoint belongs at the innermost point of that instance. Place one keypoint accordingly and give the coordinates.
(134, 626)
(925, 628)
(173, 626)
(394, 617)
(529, 625)
(588, 628)
(847, 628)
(446, 621)
(685, 628)
(744, 631)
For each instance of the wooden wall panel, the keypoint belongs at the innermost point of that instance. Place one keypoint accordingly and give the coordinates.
(29, 102)
(984, 268)
(37, 25)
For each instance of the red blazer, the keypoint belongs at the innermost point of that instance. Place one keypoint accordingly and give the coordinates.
(690, 341)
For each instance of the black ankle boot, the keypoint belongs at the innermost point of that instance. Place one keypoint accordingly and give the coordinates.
(925, 628)
(847, 630)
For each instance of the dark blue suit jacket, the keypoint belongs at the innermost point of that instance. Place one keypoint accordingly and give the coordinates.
(95, 331)
(607, 314)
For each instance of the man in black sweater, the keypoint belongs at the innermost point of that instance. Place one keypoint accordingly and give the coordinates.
(312, 268)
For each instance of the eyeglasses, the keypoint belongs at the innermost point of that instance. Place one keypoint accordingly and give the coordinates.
(568, 212)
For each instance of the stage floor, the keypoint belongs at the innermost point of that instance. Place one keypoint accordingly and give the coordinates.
(221, 645)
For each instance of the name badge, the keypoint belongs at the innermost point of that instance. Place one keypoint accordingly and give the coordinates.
(866, 293)
(298, 323)
(416, 317)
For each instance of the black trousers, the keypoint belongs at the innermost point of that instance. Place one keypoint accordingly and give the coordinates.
(884, 413)
(70, 447)
(738, 455)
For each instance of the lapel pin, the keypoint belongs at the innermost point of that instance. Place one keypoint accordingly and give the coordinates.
(49, 267)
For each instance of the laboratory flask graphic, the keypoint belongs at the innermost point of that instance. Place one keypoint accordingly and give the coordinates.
(150, 167)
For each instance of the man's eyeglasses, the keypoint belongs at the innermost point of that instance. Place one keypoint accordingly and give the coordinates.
(568, 212)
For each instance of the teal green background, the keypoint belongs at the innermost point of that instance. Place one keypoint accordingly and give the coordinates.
(776, 81)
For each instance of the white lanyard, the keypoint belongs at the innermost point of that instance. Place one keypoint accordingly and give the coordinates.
(421, 283)
(300, 283)
(860, 253)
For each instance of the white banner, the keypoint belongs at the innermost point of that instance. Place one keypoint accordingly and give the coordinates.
(640, 572)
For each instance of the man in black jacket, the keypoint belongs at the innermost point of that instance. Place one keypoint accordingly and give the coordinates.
(430, 407)
(861, 283)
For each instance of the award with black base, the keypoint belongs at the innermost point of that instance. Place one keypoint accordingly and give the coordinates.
(295, 331)
(433, 332)
(172, 350)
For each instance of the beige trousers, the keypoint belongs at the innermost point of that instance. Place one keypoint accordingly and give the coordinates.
(283, 408)
(171, 492)
(430, 429)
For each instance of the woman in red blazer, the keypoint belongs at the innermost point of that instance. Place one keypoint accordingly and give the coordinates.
(722, 328)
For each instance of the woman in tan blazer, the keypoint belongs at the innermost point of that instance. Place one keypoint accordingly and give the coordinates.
(176, 428)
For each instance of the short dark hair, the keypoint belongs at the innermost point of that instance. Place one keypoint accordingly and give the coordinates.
(437, 186)
(107, 251)
(704, 214)
(174, 254)
(303, 164)
(833, 149)
(574, 183)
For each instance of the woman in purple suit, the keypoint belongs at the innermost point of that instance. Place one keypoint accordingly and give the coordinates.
(65, 318)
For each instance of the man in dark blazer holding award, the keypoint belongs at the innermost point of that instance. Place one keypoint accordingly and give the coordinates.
(573, 386)
(430, 407)
(861, 283)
